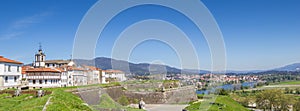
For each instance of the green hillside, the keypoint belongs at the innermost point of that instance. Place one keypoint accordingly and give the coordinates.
(222, 103)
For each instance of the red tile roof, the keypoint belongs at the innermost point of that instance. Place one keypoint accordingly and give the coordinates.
(70, 68)
(41, 70)
(113, 71)
(91, 67)
(24, 68)
(5, 60)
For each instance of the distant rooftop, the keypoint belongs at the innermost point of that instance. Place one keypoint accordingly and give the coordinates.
(58, 61)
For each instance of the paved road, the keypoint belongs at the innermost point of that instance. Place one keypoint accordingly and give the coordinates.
(164, 107)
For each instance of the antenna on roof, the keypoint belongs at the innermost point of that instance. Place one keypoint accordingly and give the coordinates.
(71, 57)
(40, 46)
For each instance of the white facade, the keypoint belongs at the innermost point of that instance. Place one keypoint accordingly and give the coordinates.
(43, 79)
(10, 75)
(102, 77)
(64, 79)
(43, 83)
(76, 78)
(115, 74)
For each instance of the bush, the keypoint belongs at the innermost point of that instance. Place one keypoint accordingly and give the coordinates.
(223, 92)
(123, 100)
(200, 96)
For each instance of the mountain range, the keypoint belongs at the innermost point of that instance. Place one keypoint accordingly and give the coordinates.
(146, 68)
(291, 67)
(136, 68)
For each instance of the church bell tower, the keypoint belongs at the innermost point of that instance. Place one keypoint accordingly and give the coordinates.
(39, 58)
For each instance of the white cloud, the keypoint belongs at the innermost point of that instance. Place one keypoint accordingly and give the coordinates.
(29, 20)
(10, 35)
(17, 27)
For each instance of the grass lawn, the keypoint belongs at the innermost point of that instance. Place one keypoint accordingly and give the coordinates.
(22, 103)
(222, 103)
(289, 83)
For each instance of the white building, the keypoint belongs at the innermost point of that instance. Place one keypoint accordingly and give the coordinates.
(63, 77)
(76, 76)
(58, 63)
(102, 77)
(10, 73)
(43, 77)
(93, 74)
(114, 75)
(39, 76)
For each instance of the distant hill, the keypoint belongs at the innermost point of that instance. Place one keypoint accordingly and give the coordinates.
(141, 68)
(291, 67)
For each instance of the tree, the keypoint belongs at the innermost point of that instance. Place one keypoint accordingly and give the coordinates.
(274, 99)
(287, 90)
(296, 106)
(223, 92)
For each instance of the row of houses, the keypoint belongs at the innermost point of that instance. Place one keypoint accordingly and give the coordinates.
(52, 73)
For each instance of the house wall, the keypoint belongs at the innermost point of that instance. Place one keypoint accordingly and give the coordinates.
(102, 77)
(10, 77)
(64, 79)
(1, 82)
(118, 76)
(78, 78)
(46, 83)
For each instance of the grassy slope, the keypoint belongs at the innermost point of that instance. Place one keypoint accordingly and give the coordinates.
(60, 101)
(107, 102)
(21, 103)
(65, 101)
(225, 104)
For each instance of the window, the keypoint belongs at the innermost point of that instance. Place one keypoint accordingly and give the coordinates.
(9, 68)
(4, 68)
(45, 81)
(33, 81)
(40, 81)
(15, 78)
(6, 79)
(18, 68)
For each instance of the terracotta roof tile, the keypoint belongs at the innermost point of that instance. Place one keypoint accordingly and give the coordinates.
(41, 70)
(113, 71)
(5, 60)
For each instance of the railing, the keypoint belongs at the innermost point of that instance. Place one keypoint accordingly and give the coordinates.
(42, 77)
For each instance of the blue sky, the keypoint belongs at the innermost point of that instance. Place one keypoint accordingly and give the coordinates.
(258, 34)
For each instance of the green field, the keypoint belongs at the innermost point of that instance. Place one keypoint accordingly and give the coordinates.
(222, 103)
(289, 83)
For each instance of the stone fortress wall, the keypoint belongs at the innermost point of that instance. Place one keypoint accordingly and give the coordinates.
(166, 96)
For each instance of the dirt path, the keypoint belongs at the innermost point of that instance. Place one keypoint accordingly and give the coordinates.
(164, 107)
(47, 103)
